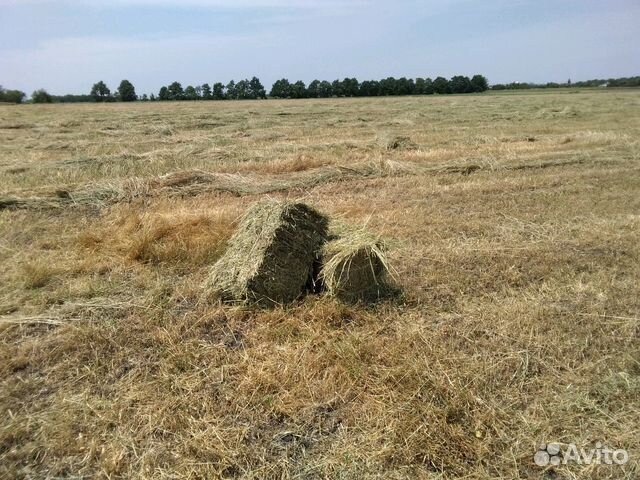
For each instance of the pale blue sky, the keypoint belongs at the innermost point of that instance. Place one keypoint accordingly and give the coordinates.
(67, 45)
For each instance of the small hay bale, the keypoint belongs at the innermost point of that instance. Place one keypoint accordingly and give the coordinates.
(354, 267)
(397, 143)
(271, 257)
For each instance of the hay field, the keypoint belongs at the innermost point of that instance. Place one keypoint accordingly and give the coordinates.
(514, 226)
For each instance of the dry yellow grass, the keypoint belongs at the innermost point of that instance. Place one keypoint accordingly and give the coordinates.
(514, 226)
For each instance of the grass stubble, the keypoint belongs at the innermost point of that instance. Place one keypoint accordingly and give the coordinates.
(518, 323)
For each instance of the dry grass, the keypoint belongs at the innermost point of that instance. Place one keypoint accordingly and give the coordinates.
(514, 226)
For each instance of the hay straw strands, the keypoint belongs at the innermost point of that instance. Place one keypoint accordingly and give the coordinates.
(195, 182)
(355, 266)
(270, 258)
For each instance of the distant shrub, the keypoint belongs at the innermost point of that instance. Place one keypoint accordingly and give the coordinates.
(41, 96)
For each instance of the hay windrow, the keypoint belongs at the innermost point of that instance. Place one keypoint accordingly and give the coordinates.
(270, 258)
(355, 266)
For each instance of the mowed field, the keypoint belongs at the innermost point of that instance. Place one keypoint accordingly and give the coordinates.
(513, 223)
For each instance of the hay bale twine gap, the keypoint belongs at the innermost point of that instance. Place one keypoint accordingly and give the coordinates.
(271, 257)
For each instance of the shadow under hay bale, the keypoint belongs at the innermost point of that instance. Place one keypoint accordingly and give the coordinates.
(355, 268)
(270, 258)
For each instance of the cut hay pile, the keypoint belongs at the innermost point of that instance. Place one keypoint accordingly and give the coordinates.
(271, 257)
(354, 266)
(397, 142)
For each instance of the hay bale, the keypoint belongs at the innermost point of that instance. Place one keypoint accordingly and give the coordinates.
(271, 257)
(397, 143)
(354, 266)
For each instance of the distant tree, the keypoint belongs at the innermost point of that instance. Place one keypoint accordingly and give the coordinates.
(190, 93)
(298, 90)
(198, 89)
(325, 89)
(337, 88)
(420, 85)
(460, 84)
(11, 96)
(218, 91)
(387, 86)
(100, 92)
(441, 85)
(350, 87)
(231, 90)
(257, 89)
(144, 98)
(126, 92)
(206, 91)
(498, 86)
(479, 83)
(41, 96)
(428, 86)
(313, 89)
(152, 98)
(175, 91)
(404, 86)
(281, 89)
(243, 90)
(369, 88)
(164, 94)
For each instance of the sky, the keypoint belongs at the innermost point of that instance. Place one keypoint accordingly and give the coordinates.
(65, 46)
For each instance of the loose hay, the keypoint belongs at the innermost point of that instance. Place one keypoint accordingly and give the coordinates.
(397, 143)
(354, 266)
(270, 258)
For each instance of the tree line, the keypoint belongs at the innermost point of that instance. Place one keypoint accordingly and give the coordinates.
(349, 87)
(283, 88)
(596, 82)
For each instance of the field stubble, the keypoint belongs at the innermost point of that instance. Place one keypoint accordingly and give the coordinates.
(513, 221)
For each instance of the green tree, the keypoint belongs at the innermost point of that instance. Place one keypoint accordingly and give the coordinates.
(126, 92)
(218, 91)
(257, 89)
(164, 94)
(41, 96)
(175, 91)
(190, 93)
(428, 86)
(313, 89)
(100, 92)
(243, 90)
(388, 86)
(11, 96)
(337, 88)
(350, 87)
(479, 83)
(206, 91)
(404, 86)
(231, 90)
(298, 90)
(281, 89)
(460, 84)
(369, 88)
(325, 89)
(441, 85)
